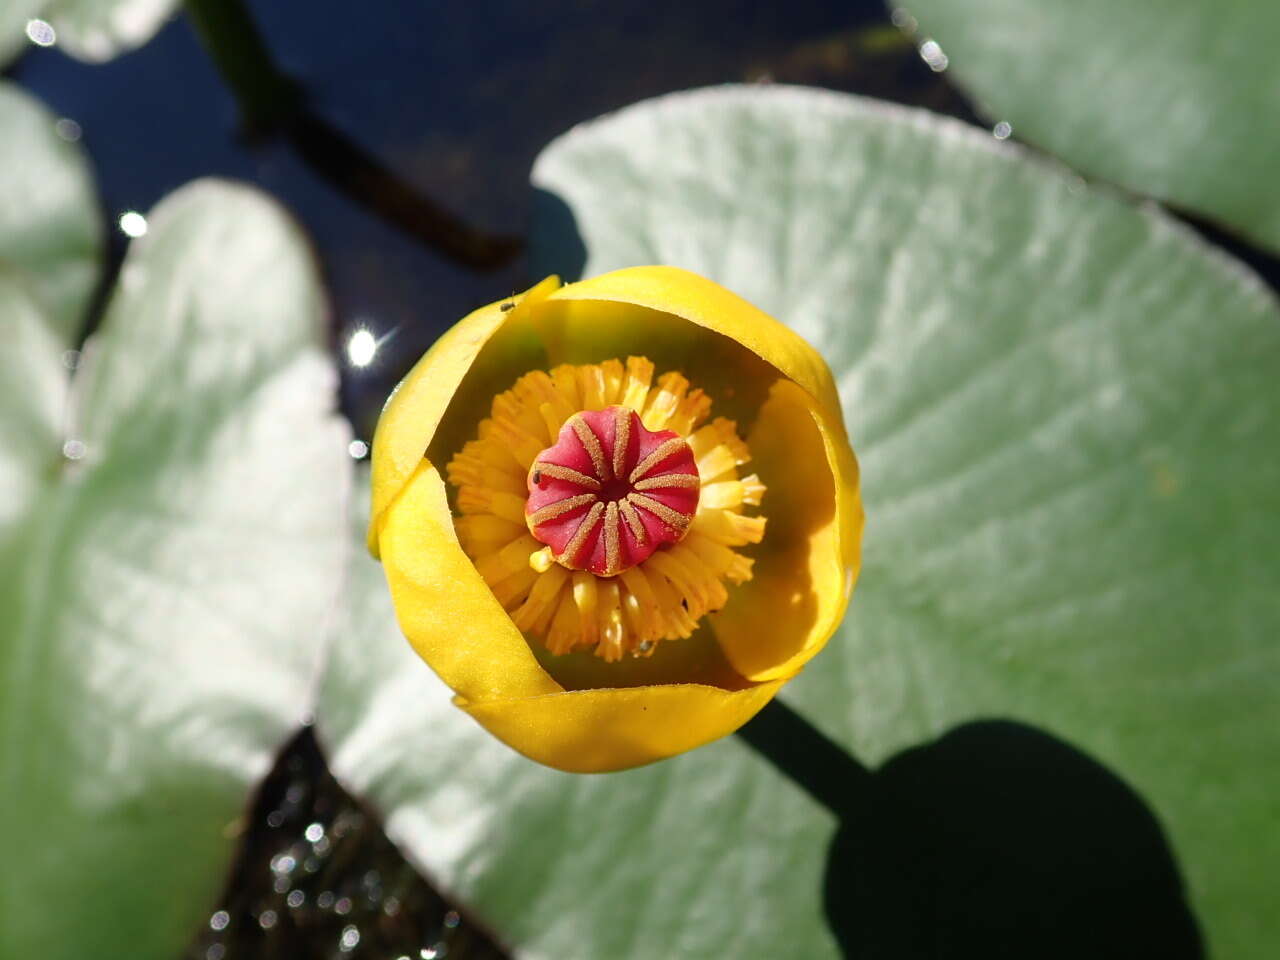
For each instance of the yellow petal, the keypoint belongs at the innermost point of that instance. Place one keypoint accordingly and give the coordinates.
(413, 412)
(707, 304)
(447, 611)
(592, 731)
(807, 564)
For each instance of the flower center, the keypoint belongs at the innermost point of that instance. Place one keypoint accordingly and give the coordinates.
(640, 492)
(609, 492)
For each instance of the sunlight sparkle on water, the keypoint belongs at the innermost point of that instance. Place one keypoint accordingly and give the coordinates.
(361, 348)
(133, 224)
(931, 53)
(41, 33)
(350, 938)
(67, 129)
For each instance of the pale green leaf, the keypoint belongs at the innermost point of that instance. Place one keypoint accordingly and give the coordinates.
(14, 16)
(1067, 419)
(98, 30)
(33, 395)
(90, 30)
(1177, 100)
(50, 225)
(168, 594)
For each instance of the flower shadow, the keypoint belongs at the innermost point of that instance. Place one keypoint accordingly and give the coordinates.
(995, 840)
(554, 228)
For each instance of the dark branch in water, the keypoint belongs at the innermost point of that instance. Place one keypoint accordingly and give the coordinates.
(273, 105)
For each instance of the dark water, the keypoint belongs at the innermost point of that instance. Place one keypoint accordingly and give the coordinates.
(317, 877)
(456, 100)
(453, 102)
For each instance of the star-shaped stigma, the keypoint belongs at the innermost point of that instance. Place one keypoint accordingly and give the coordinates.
(608, 492)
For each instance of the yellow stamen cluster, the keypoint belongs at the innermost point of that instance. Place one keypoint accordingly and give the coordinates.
(663, 597)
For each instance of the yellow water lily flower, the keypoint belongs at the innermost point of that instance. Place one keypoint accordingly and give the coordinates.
(616, 516)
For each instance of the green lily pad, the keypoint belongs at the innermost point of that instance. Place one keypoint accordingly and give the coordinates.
(91, 30)
(14, 16)
(166, 587)
(1175, 100)
(50, 226)
(32, 394)
(1068, 425)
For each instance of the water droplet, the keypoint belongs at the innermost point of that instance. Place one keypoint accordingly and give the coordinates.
(350, 937)
(283, 863)
(219, 920)
(451, 919)
(313, 832)
(1002, 130)
(281, 884)
(931, 53)
(216, 951)
(325, 900)
(296, 898)
(342, 907)
(903, 20)
(67, 129)
(267, 919)
(133, 224)
(275, 818)
(391, 906)
(361, 348)
(73, 449)
(41, 33)
(358, 450)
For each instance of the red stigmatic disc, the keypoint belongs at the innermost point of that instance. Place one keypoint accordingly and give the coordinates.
(608, 492)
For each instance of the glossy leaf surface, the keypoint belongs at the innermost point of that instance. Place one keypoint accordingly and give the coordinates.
(1175, 100)
(92, 30)
(50, 227)
(169, 584)
(1066, 415)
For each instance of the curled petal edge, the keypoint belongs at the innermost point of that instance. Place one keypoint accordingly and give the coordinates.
(596, 731)
(817, 535)
(445, 608)
(705, 303)
(417, 405)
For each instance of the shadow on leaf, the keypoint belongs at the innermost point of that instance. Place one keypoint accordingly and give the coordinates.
(555, 242)
(995, 840)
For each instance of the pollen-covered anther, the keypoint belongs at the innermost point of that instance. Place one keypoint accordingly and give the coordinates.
(609, 491)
